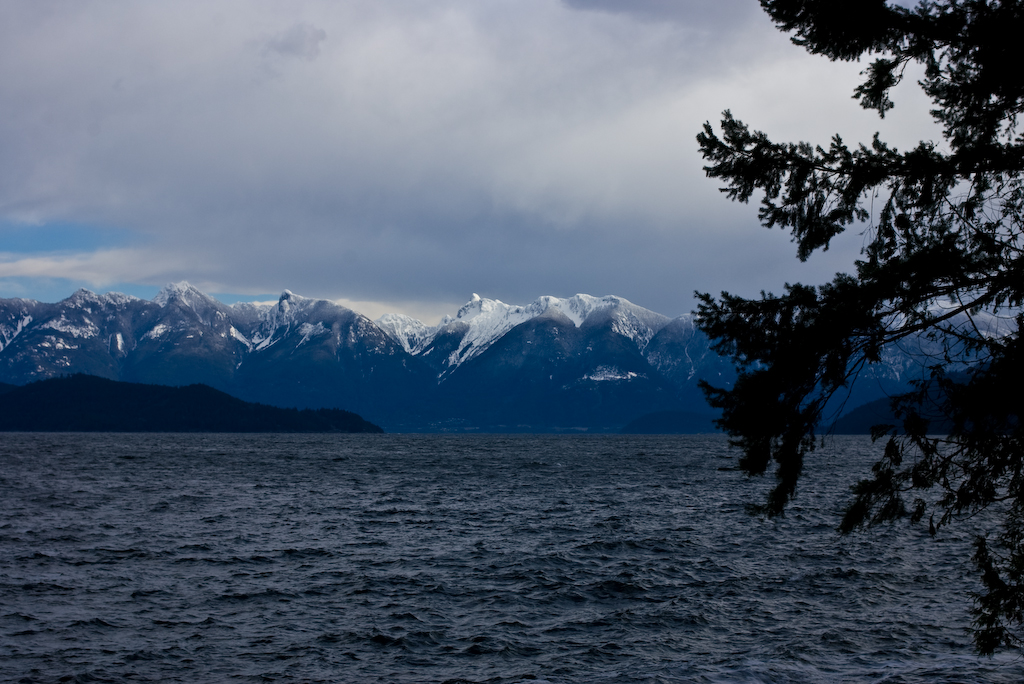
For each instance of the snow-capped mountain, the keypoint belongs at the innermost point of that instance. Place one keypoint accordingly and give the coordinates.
(581, 361)
(481, 322)
(15, 317)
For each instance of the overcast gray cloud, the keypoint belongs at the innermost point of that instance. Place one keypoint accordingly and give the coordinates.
(301, 40)
(716, 17)
(404, 154)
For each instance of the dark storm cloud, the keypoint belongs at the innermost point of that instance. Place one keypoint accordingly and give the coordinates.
(400, 152)
(301, 40)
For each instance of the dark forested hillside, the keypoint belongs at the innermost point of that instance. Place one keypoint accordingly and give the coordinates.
(84, 403)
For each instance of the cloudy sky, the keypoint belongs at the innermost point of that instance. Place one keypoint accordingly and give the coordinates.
(401, 155)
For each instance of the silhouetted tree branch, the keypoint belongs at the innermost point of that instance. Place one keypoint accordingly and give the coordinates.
(945, 246)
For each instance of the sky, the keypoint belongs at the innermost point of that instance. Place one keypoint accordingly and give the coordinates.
(400, 156)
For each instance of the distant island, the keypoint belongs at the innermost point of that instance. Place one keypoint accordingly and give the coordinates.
(86, 403)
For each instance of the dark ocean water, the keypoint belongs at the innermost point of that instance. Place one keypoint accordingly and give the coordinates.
(255, 558)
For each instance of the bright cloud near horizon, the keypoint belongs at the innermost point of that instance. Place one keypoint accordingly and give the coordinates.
(402, 155)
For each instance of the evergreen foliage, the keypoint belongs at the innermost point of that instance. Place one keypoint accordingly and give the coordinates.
(943, 250)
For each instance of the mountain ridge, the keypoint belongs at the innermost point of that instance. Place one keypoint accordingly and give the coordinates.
(575, 363)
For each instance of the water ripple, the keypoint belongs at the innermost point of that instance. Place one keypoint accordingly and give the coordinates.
(202, 558)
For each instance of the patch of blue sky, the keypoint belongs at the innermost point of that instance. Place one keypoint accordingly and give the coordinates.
(55, 289)
(59, 237)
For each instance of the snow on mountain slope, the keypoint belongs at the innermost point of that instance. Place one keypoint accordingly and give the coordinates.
(627, 319)
(82, 314)
(15, 318)
(186, 316)
(276, 321)
(184, 293)
(87, 300)
(251, 310)
(555, 361)
(84, 328)
(259, 325)
(486, 320)
(407, 331)
(481, 322)
(312, 318)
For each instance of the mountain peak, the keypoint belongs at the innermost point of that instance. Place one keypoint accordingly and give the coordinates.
(182, 291)
(83, 298)
(490, 319)
(83, 295)
(478, 305)
(289, 300)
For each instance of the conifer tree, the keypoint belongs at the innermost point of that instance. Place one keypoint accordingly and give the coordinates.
(943, 250)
